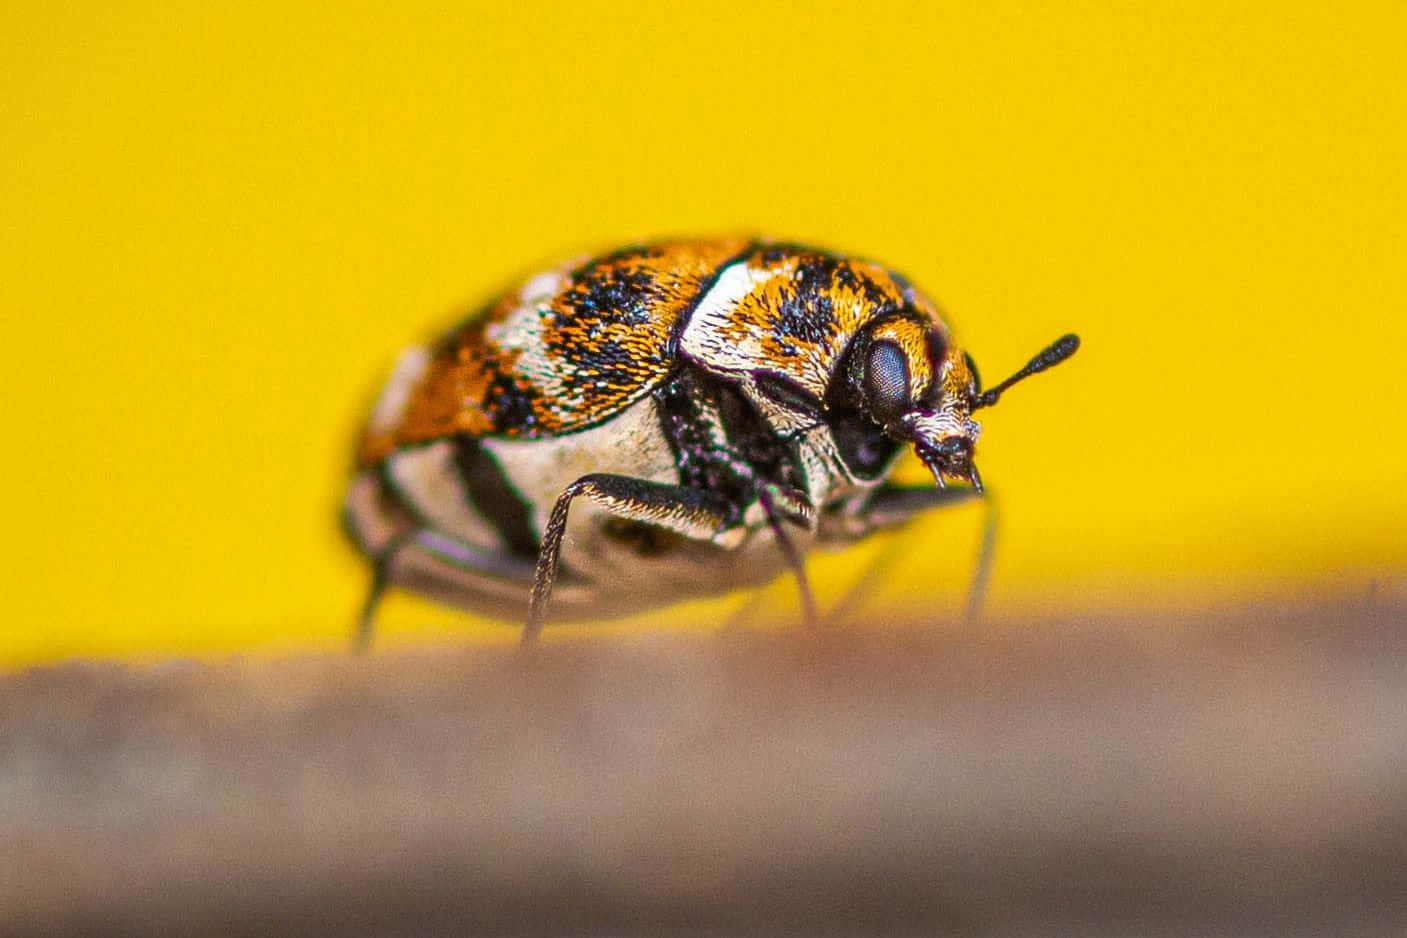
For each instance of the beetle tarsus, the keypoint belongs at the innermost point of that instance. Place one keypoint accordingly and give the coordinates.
(977, 592)
(973, 478)
(549, 556)
(366, 621)
(380, 579)
(793, 558)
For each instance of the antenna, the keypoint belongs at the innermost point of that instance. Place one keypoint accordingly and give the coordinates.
(1053, 354)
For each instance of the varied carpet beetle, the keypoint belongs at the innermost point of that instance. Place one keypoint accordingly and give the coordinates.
(708, 410)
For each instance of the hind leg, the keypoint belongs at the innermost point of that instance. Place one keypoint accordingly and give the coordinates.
(892, 507)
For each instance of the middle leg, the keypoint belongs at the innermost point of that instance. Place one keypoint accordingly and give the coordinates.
(694, 513)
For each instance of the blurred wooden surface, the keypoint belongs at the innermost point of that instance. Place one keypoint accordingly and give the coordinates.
(1241, 773)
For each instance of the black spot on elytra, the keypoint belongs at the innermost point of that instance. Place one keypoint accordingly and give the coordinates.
(601, 365)
(511, 407)
(614, 294)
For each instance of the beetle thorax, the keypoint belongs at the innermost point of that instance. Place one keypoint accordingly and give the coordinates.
(832, 353)
(829, 476)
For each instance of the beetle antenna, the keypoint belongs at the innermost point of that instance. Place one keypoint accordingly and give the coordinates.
(1053, 354)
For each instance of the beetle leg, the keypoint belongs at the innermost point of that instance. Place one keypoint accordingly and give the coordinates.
(438, 565)
(380, 579)
(895, 546)
(404, 552)
(891, 507)
(894, 505)
(766, 496)
(691, 512)
(792, 505)
(977, 592)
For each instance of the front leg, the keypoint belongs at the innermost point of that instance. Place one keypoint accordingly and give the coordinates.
(694, 513)
(892, 506)
(888, 506)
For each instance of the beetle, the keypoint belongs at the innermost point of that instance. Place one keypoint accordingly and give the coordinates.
(670, 420)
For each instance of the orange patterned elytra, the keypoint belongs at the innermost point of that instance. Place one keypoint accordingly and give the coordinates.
(564, 350)
(717, 406)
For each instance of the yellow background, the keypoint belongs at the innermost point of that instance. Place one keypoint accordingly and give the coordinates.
(219, 226)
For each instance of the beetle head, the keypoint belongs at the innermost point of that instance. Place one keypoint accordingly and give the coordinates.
(921, 389)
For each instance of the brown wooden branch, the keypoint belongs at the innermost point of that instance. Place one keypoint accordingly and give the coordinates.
(1243, 773)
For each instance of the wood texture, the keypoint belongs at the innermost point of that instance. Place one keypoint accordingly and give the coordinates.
(1239, 772)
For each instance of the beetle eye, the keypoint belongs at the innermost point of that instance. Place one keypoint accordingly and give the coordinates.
(886, 381)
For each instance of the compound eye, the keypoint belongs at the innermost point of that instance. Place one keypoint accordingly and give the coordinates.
(886, 381)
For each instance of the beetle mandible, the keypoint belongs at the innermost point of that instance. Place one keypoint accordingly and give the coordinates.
(707, 409)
